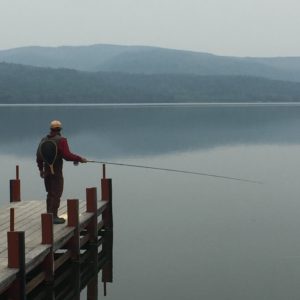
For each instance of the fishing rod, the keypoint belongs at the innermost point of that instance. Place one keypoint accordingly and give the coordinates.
(174, 170)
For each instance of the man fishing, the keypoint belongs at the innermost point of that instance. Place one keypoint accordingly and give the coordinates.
(50, 154)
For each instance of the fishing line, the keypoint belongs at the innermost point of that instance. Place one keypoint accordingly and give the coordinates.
(175, 170)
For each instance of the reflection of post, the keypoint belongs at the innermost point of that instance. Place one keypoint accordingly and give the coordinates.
(107, 270)
(107, 217)
(92, 286)
(15, 187)
(75, 279)
(48, 293)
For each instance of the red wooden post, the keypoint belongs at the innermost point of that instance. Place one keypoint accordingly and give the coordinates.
(47, 228)
(73, 221)
(15, 187)
(47, 238)
(16, 259)
(12, 219)
(73, 212)
(14, 241)
(103, 171)
(91, 207)
(106, 193)
(107, 217)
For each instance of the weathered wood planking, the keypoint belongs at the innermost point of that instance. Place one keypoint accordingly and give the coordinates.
(28, 219)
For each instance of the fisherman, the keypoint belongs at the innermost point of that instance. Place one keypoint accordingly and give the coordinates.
(50, 154)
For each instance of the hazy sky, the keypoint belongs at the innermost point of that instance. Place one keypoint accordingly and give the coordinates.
(226, 27)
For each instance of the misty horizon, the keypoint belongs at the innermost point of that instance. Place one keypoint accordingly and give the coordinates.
(95, 44)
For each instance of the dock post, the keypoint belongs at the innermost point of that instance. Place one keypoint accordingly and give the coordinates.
(91, 207)
(15, 188)
(16, 259)
(106, 194)
(73, 221)
(47, 239)
(12, 219)
(107, 217)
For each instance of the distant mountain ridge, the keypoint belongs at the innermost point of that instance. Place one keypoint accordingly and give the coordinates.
(152, 60)
(28, 84)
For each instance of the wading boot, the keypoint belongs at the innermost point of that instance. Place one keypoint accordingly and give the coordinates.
(57, 220)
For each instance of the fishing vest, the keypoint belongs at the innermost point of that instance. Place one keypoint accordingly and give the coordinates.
(48, 150)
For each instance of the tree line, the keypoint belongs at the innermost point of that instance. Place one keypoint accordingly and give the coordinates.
(26, 84)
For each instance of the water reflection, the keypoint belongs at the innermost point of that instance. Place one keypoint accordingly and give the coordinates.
(110, 132)
(80, 280)
(178, 236)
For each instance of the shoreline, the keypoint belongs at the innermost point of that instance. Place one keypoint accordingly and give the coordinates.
(155, 104)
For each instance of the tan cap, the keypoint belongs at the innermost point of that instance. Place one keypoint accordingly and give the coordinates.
(55, 124)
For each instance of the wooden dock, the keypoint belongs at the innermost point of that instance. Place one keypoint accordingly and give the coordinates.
(32, 248)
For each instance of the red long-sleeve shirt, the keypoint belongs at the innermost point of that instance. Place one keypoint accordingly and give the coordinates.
(63, 152)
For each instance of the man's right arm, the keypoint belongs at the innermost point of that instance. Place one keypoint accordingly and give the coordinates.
(67, 154)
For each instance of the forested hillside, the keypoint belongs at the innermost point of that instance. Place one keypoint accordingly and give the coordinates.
(24, 84)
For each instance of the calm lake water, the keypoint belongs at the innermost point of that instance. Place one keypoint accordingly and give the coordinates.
(179, 236)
